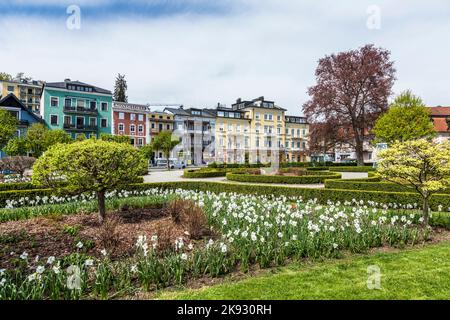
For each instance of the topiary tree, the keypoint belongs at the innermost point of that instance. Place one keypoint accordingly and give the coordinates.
(165, 142)
(91, 165)
(407, 119)
(420, 163)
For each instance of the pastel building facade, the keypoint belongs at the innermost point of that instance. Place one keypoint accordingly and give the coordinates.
(196, 129)
(25, 117)
(129, 119)
(27, 91)
(77, 108)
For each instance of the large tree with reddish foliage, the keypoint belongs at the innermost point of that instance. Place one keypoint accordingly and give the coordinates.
(352, 91)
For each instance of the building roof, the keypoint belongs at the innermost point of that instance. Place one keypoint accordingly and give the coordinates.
(11, 101)
(65, 84)
(440, 124)
(260, 102)
(440, 111)
(188, 112)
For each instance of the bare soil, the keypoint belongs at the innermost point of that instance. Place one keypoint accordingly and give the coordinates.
(58, 237)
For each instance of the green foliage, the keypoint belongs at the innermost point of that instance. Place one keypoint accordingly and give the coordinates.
(407, 119)
(39, 138)
(204, 173)
(16, 147)
(8, 126)
(81, 137)
(311, 178)
(120, 89)
(423, 165)
(113, 138)
(147, 151)
(90, 165)
(165, 142)
(353, 169)
(5, 76)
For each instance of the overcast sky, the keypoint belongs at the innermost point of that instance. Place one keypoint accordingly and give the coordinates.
(201, 52)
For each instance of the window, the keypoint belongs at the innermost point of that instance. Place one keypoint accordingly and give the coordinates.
(257, 116)
(141, 117)
(196, 113)
(292, 132)
(10, 88)
(132, 128)
(258, 128)
(279, 118)
(238, 128)
(168, 127)
(54, 101)
(298, 132)
(268, 116)
(132, 141)
(230, 127)
(104, 123)
(67, 102)
(298, 145)
(121, 115)
(67, 120)
(304, 132)
(92, 122)
(53, 119)
(257, 142)
(15, 114)
(104, 106)
(132, 116)
(140, 142)
(121, 127)
(80, 103)
(93, 105)
(140, 128)
(279, 130)
(160, 127)
(221, 127)
(153, 125)
(287, 131)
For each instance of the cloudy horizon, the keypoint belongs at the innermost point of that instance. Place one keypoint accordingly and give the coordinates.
(200, 52)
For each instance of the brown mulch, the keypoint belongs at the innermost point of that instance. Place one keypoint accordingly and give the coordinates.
(51, 236)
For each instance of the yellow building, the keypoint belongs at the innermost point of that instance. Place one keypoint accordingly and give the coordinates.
(297, 133)
(28, 92)
(259, 131)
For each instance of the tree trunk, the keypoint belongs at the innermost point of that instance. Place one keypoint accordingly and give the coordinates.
(359, 152)
(426, 211)
(101, 206)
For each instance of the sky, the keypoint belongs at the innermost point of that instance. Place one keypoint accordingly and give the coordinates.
(202, 52)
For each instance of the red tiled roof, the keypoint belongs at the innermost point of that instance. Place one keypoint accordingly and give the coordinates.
(440, 111)
(440, 124)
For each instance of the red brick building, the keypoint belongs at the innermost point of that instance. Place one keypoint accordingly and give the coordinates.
(441, 120)
(131, 120)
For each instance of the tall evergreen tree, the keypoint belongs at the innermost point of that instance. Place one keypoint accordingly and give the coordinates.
(120, 89)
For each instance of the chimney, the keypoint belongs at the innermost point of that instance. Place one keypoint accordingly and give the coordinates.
(67, 80)
(182, 107)
(239, 100)
(261, 98)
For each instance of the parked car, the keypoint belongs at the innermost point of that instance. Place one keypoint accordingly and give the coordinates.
(173, 163)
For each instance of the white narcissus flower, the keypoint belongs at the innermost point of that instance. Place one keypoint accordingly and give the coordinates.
(89, 262)
(104, 252)
(24, 256)
(79, 245)
(184, 256)
(50, 260)
(40, 269)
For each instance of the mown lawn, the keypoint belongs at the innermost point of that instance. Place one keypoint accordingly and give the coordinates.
(421, 273)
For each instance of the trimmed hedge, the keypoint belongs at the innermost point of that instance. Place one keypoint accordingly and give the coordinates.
(316, 177)
(371, 186)
(321, 195)
(210, 173)
(17, 186)
(353, 169)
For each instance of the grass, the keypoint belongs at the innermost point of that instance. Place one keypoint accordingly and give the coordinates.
(421, 273)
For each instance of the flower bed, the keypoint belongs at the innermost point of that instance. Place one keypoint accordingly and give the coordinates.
(251, 230)
(306, 178)
(391, 199)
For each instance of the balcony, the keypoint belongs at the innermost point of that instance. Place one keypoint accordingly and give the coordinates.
(80, 110)
(79, 127)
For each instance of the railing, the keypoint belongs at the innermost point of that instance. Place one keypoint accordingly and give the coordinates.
(83, 127)
(80, 110)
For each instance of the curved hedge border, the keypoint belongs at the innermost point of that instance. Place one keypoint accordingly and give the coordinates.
(352, 169)
(321, 195)
(210, 173)
(371, 186)
(316, 177)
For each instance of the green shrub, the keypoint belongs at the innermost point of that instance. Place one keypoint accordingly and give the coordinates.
(317, 168)
(17, 186)
(311, 178)
(204, 173)
(353, 169)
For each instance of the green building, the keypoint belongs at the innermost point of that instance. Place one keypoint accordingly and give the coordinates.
(76, 107)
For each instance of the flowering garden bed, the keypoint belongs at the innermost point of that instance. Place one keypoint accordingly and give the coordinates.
(147, 243)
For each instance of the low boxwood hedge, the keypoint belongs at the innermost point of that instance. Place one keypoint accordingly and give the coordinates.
(17, 186)
(353, 169)
(312, 178)
(366, 184)
(203, 173)
(321, 195)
